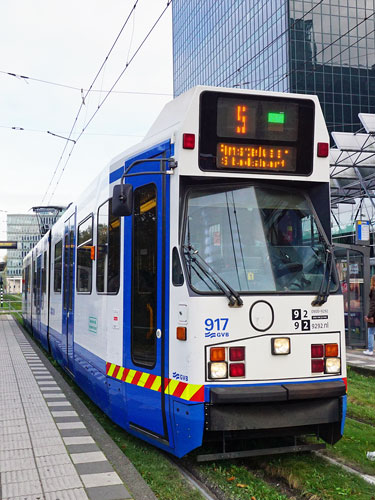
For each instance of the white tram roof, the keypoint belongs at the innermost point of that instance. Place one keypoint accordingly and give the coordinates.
(181, 115)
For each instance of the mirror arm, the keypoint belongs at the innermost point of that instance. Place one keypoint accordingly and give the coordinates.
(172, 163)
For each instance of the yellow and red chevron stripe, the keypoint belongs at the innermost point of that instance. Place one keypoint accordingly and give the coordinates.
(189, 392)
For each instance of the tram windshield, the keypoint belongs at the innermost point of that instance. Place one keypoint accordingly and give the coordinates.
(256, 239)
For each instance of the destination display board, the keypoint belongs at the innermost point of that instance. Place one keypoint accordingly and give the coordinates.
(267, 134)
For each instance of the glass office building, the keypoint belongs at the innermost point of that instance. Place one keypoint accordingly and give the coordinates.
(323, 47)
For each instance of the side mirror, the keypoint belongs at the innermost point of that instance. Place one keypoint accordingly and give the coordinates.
(122, 200)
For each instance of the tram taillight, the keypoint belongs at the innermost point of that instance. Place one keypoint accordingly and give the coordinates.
(317, 365)
(237, 370)
(188, 141)
(324, 358)
(224, 362)
(323, 149)
(317, 351)
(236, 354)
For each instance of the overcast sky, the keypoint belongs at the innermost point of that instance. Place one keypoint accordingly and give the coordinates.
(66, 43)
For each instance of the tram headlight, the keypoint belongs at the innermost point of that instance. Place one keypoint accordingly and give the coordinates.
(280, 345)
(218, 370)
(332, 365)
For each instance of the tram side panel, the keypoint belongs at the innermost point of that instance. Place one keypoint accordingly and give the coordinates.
(98, 311)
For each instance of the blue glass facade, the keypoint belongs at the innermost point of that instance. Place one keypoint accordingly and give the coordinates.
(323, 47)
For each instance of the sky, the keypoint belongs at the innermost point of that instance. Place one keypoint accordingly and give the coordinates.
(66, 43)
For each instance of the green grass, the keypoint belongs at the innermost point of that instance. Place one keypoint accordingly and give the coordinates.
(359, 432)
(12, 302)
(237, 482)
(316, 479)
(361, 397)
(351, 449)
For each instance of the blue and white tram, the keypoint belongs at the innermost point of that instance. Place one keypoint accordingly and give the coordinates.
(191, 291)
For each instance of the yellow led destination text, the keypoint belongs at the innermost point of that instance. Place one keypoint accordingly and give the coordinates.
(256, 157)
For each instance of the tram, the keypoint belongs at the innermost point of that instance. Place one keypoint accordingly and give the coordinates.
(191, 291)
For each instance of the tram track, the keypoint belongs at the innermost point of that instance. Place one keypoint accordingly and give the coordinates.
(188, 470)
(196, 475)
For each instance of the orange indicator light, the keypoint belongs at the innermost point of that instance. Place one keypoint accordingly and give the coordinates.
(181, 333)
(217, 354)
(331, 350)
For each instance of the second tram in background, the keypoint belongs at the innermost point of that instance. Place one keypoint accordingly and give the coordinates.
(191, 290)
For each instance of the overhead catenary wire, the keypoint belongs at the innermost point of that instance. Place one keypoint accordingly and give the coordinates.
(85, 97)
(169, 2)
(63, 136)
(81, 90)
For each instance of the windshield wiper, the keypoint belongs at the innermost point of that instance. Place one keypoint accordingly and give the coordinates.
(233, 296)
(323, 293)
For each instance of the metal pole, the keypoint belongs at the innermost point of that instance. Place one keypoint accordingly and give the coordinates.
(1, 296)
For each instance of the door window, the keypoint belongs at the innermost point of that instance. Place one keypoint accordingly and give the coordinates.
(84, 261)
(108, 250)
(57, 268)
(144, 276)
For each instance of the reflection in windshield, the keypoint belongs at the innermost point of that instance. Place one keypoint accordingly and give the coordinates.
(256, 239)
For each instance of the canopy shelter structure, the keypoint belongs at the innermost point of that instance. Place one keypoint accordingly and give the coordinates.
(352, 174)
(352, 168)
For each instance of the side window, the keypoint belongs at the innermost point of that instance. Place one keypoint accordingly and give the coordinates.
(144, 282)
(44, 273)
(57, 271)
(25, 273)
(108, 250)
(177, 275)
(34, 282)
(84, 261)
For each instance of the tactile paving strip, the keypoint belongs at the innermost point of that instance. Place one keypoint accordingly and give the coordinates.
(46, 451)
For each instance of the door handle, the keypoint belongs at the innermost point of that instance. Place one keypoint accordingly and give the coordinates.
(158, 333)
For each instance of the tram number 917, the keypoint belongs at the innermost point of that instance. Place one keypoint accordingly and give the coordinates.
(219, 324)
(216, 327)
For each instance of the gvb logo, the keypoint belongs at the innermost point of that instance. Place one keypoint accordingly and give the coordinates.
(179, 376)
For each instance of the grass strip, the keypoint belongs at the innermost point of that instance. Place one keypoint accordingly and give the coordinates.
(318, 480)
(359, 432)
(351, 449)
(236, 482)
(361, 397)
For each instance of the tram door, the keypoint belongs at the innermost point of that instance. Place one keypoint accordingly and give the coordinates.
(38, 296)
(354, 274)
(68, 293)
(145, 267)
